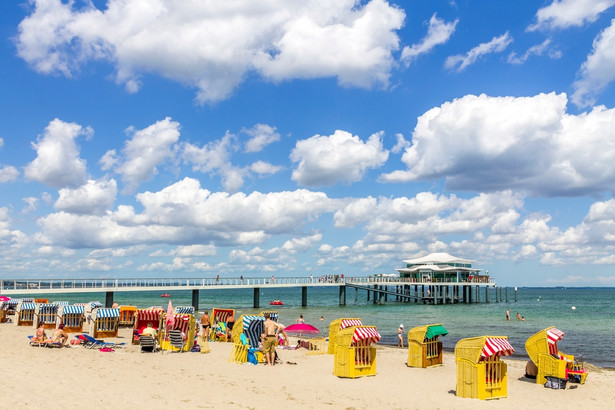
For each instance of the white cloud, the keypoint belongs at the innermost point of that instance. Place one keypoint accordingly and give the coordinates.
(32, 204)
(144, 152)
(57, 163)
(400, 145)
(562, 14)
(8, 173)
(537, 50)
(438, 33)
(598, 71)
(195, 250)
(341, 157)
(486, 143)
(264, 168)
(496, 45)
(215, 158)
(212, 46)
(185, 213)
(94, 197)
(262, 135)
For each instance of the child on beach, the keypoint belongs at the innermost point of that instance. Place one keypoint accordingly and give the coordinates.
(400, 336)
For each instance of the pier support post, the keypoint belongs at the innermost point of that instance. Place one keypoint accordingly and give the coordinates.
(343, 295)
(195, 299)
(304, 296)
(515, 293)
(257, 298)
(109, 299)
(356, 294)
(506, 294)
(477, 294)
(487, 294)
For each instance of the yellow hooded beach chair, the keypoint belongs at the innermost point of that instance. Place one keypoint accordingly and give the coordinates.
(480, 372)
(543, 351)
(336, 326)
(424, 349)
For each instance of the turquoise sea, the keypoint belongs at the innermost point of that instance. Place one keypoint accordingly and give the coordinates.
(589, 328)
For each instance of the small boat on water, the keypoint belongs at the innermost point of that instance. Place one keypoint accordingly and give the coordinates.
(165, 295)
(276, 302)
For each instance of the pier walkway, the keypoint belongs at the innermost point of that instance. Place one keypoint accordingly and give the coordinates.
(377, 288)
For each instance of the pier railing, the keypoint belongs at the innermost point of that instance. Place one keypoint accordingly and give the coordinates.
(30, 285)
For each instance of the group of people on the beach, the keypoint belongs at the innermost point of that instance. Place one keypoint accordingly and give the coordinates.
(58, 337)
(222, 329)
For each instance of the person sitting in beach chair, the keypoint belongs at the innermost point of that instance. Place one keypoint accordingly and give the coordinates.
(59, 336)
(40, 335)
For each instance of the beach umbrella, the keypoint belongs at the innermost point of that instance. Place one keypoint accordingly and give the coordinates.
(301, 329)
(169, 320)
(4, 298)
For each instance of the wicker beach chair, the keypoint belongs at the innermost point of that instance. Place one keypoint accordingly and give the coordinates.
(543, 351)
(424, 349)
(354, 354)
(480, 372)
(336, 326)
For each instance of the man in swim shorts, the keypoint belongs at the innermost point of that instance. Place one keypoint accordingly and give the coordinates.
(271, 332)
(205, 324)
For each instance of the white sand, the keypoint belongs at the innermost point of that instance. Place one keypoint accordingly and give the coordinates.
(77, 377)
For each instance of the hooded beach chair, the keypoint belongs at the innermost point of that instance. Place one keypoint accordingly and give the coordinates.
(216, 334)
(72, 316)
(480, 372)
(127, 316)
(355, 356)
(543, 351)
(24, 313)
(45, 314)
(185, 323)
(246, 336)
(424, 349)
(105, 322)
(142, 318)
(336, 326)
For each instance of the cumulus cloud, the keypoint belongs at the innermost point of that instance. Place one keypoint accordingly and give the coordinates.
(341, 157)
(184, 213)
(496, 45)
(212, 47)
(598, 71)
(562, 14)
(143, 153)
(94, 197)
(484, 143)
(261, 136)
(8, 173)
(537, 50)
(264, 168)
(58, 163)
(438, 33)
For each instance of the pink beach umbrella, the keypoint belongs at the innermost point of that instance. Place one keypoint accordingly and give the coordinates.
(301, 329)
(4, 298)
(170, 318)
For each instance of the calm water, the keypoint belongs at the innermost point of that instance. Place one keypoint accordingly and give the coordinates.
(590, 328)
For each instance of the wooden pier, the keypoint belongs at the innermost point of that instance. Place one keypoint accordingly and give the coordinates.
(378, 289)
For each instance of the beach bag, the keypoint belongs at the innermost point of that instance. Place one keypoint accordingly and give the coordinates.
(574, 378)
(555, 383)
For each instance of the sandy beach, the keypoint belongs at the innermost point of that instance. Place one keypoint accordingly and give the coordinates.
(75, 377)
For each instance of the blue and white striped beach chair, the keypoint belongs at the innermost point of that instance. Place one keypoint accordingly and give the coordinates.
(24, 313)
(105, 322)
(46, 314)
(72, 316)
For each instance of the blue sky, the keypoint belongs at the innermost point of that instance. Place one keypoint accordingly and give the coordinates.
(288, 138)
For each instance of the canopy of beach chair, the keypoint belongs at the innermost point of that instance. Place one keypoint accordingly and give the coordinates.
(435, 330)
(497, 346)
